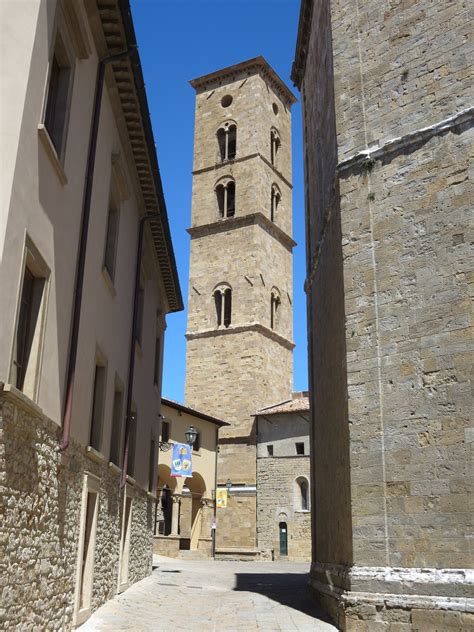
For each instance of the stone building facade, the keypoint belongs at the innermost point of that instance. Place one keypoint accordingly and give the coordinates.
(79, 300)
(388, 119)
(240, 317)
(186, 510)
(283, 480)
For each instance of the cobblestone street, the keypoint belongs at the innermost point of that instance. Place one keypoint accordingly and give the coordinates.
(208, 595)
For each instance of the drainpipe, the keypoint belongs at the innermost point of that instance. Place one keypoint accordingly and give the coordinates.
(81, 258)
(129, 418)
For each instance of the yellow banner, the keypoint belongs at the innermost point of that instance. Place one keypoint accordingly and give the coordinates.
(221, 497)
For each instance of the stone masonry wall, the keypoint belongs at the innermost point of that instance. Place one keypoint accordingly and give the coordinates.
(409, 349)
(277, 501)
(41, 493)
(390, 309)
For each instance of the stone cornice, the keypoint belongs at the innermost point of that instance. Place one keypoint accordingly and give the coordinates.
(257, 65)
(113, 32)
(240, 221)
(446, 588)
(302, 42)
(238, 329)
(220, 165)
(383, 152)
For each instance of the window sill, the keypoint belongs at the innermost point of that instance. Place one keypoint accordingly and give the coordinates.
(131, 480)
(108, 282)
(114, 468)
(52, 153)
(303, 511)
(95, 455)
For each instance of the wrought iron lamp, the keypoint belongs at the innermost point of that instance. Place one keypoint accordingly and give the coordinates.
(191, 434)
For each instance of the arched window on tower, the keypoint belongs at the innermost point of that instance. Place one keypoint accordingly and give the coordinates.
(302, 496)
(227, 141)
(225, 194)
(275, 304)
(275, 201)
(223, 305)
(275, 143)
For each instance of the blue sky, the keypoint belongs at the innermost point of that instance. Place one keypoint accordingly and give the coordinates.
(178, 41)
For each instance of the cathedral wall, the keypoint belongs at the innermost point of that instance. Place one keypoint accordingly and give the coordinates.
(389, 298)
(408, 341)
(416, 62)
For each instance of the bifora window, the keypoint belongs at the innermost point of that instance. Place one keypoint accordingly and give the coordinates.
(223, 305)
(274, 202)
(227, 141)
(275, 143)
(225, 193)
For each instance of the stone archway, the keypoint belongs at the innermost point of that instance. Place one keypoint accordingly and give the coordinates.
(164, 508)
(197, 489)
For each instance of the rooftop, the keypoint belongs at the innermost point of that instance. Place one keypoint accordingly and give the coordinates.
(192, 411)
(251, 67)
(298, 403)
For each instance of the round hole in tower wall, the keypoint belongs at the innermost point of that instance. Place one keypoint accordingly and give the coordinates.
(226, 101)
(275, 108)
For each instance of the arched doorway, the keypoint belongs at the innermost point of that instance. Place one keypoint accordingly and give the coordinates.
(164, 506)
(197, 488)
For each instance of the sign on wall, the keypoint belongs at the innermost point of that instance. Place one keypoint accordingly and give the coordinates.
(181, 463)
(221, 497)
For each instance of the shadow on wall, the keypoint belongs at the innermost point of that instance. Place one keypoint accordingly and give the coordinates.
(288, 589)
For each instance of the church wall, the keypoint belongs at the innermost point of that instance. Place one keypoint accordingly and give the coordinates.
(388, 291)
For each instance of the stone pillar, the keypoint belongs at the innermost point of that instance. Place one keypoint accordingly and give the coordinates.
(207, 515)
(175, 510)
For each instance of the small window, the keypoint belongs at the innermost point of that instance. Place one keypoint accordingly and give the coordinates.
(111, 238)
(116, 435)
(275, 108)
(274, 146)
(275, 302)
(225, 193)
(140, 306)
(28, 338)
(197, 443)
(226, 101)
(227, 141)
(151, 466)
(299, 448)
(57, 102)
(157, 361)
(223, 305)
(303, 494)
(165, 431)
(98, 399)
(269, 450)
(274, 202)
(132, 444)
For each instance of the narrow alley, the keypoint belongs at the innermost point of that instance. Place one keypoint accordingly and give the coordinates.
(207, 595)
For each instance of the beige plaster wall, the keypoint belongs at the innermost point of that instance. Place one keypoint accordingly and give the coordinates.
(204, 460)
(37, 204)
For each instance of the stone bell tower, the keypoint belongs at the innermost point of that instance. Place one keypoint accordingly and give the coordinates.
(240, 318)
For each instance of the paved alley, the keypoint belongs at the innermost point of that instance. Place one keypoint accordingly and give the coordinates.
(208, 595)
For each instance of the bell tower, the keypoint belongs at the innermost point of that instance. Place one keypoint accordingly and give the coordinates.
(240, 314)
